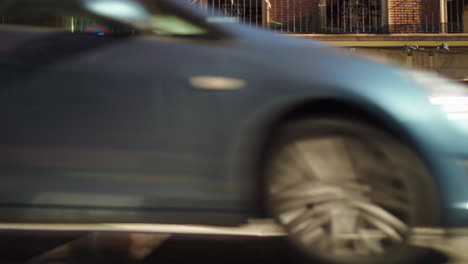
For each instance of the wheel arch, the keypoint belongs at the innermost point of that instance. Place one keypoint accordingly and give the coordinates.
(329, 107)
(337, 108)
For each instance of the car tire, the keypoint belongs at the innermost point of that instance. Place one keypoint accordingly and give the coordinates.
(348, 192)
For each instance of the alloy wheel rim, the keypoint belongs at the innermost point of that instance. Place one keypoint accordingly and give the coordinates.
(339, 195)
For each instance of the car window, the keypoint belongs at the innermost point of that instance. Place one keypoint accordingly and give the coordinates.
(90, 19)
(167, 20)
(67, 17)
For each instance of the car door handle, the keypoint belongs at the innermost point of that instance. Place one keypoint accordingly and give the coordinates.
(217, 83)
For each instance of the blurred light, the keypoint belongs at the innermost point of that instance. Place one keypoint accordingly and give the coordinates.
(462, 205)
(217, 83)
(450, 96)
(119, 9)
(175, 25)
(449, 100)
(217, 19)
(263, 228)
(73, 24)
(456, 107)
(458, 116)
(435, 84)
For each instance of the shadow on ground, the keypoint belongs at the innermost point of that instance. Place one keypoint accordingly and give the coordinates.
(123, 248)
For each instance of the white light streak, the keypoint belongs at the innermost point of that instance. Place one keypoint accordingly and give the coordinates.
(458, 116)
(455, 108)
(449, 100)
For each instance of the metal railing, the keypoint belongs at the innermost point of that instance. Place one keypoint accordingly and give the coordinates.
(457, 9)
(344, 16)
(347, 16)
(331, 16)
(251, 12)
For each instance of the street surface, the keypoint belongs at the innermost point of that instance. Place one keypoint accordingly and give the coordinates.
(124, 248)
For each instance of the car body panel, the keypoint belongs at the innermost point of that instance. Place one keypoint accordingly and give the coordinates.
(114, 129)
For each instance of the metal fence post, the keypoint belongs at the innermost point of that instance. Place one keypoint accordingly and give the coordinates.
(384, 6)
(465, 17)
(265, 13)
(323, 13)
(443, 16)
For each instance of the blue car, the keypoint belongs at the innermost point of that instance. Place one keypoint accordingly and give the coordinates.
(146, 111)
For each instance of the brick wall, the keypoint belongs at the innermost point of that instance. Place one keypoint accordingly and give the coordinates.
(413, 16)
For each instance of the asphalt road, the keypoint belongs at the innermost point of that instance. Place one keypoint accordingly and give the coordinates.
(122, 248)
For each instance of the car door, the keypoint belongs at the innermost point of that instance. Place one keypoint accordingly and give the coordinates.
(62, 139)
(108, 119)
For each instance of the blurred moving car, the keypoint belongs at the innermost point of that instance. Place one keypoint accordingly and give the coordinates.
(146, 111)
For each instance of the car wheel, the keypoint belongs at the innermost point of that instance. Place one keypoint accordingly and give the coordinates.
(348, 192)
